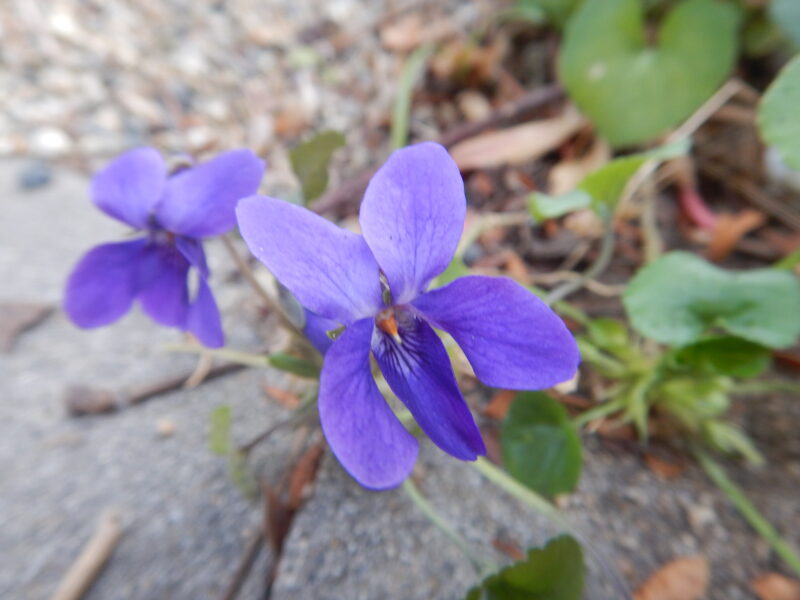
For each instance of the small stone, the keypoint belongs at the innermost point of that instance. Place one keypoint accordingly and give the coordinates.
(700, 517)
(35, 174)
(165, 427)
(50, 141)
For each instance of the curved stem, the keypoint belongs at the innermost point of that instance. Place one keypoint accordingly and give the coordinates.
(489, 221)
(271, 304)
(233, 356)
(538, 503)
(598, 266)
(746, 508)
(482, 567)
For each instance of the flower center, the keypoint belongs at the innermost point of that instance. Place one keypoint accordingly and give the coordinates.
(386, 321)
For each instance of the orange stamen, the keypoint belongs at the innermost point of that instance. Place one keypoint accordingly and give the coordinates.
(389, 325)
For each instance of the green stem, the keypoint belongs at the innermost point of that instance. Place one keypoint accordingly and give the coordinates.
(483, 567)
(768, 386)
(747, 510)
(522, 493)
(597, 412)
(402, 105)
(599, 265)
(234, 356)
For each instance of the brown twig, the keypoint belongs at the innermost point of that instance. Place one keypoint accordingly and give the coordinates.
(249, 556)
(139, 394)
(83, 572)
(351, 189)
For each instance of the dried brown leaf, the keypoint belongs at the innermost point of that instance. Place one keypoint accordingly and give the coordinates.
(518, 144)
(773, 586)
(499, 404)
(303, 475)
(729, 229)
(283, 397)
(663, 468)
(684, 578)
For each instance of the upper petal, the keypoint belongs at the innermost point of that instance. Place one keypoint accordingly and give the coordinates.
(330, 270)
(412, 217)
(103, 284)
(130, 186)
(363, 432)
(511, 338)
(200, 201)
(418, 370)
(163, 290)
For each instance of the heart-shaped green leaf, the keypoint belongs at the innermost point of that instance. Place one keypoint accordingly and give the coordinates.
(726, 355)
(541, 447)
(633, 91)
(554, 572)
(679, 297)
(786, 14)
(778, 116)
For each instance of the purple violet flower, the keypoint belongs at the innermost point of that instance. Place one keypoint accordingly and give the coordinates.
(174, 212)
(411, 218)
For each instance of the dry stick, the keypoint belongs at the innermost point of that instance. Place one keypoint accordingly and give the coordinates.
(92, 559)
(350, 190)
(145, 392)
(271, 304)
(249, 556)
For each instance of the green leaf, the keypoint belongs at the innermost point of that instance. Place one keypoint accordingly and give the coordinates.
(786, 14)
(557, 11)
(606, 184)
(541, 447)
(778, 118)
(294, 365)
(726, 355)
(219, 437)
(310, 162)
(555, 572)
(679, 297)
(543, 206)
(789, 262)
(401, 111)
(603, 188)
(633, 91)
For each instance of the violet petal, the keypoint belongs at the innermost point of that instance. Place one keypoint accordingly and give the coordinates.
(129, 187)
(412, 217)
(363, 432)
(200, 201)
(512, 339)
(330, 270)
(163, 290)
(203, 318)
(103, 284)
(418, 371)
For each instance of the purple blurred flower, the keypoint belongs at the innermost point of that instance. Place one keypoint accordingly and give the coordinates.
(411, 218)
(174, 212)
